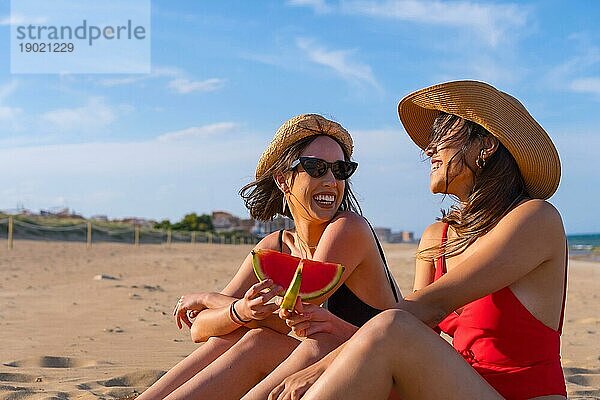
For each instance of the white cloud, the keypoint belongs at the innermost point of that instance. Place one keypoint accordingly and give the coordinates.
(10, 117)
(179, 81)
(7, 89)
(197, 132)
(339, 61)
(318, 6)
(157, 72)
(491, 21)
(586, 85)
(185, 86)
(9, 113)
(124, 81)
(94, 115)
(576, 74)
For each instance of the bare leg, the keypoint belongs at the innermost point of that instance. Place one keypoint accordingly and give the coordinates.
(395, 350)
(191, 365)
(239, 368)
(308, 352)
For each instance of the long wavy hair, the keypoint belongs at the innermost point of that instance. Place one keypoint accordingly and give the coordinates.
(264, 199)
(498, 186)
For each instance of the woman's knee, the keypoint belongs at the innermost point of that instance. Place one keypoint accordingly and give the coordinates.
(258, 337)
(224, 341)
(392, 325)
(317, 346)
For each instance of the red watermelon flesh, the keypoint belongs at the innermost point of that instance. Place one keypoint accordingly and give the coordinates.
(317, 277)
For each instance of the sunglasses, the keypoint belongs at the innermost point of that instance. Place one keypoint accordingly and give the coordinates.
(316, 167)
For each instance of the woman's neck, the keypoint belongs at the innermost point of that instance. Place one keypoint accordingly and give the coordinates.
(308, 235)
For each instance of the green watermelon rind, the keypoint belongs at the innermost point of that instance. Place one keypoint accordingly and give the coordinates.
(305, 296)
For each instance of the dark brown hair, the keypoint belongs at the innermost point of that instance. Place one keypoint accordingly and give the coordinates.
(264, 199)
(498, 187)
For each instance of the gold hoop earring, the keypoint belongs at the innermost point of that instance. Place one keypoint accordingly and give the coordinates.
(480, 161)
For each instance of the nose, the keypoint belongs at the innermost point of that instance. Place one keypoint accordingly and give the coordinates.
(430, 150)
(328, 180)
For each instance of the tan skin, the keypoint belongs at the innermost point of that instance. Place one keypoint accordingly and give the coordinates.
(260, 354)
(375, 360)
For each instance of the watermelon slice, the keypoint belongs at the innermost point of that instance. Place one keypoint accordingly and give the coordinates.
(293, 291)
(317, 277)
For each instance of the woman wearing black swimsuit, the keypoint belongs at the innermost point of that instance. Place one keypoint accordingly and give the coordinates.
(302, 174)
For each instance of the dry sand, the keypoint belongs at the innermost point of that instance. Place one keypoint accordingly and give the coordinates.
(66, 335)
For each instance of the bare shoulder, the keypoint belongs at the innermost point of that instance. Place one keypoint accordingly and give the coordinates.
(537, 215)
(348, 224)
(269, 242)
(432, 235)
(346, 240)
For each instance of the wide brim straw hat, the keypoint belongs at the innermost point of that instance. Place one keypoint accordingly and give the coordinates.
(297, 128)
(498, 112)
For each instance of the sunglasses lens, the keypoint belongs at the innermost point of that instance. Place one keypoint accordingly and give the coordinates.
(343, 169)
(315, 167)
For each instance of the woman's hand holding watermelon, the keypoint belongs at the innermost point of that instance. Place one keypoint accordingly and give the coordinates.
(308, 319)
(254, 304)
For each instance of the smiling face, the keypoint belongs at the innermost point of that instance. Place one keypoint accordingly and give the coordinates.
(317, 199)
(452, 163)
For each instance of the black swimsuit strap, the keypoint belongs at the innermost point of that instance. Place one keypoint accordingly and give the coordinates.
(280, 240)
(387, 271)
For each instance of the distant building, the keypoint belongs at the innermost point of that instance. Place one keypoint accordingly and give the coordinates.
(387, 236)
(383, 234)
(246, 225)
(142, 222)
(100, 218)
(263, 228)
(408, 236)
(225, 222)
(60, 212)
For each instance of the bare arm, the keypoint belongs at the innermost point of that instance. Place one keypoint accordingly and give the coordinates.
(348, 240)
(424, 269)
(526, 238)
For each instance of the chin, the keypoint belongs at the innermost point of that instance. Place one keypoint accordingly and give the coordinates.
(324, 215)
(435, 188)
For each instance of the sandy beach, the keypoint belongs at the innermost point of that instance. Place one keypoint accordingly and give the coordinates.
(96, 323)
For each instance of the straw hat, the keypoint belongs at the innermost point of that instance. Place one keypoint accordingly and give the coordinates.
(297, 128)
(501, 114)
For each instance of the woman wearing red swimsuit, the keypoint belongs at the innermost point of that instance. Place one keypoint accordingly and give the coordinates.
(491, 273)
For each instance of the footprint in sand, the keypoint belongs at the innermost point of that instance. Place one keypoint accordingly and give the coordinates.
(52, 362)
(20, 378)
(126, 386)
(577, 370)
(140, 378)
(592, 380)
(583, 383)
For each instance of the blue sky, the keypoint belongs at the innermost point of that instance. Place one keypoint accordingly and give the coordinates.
(225, 75)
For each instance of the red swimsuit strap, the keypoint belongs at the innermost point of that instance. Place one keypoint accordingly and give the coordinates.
(440, 266)
(443, 247)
